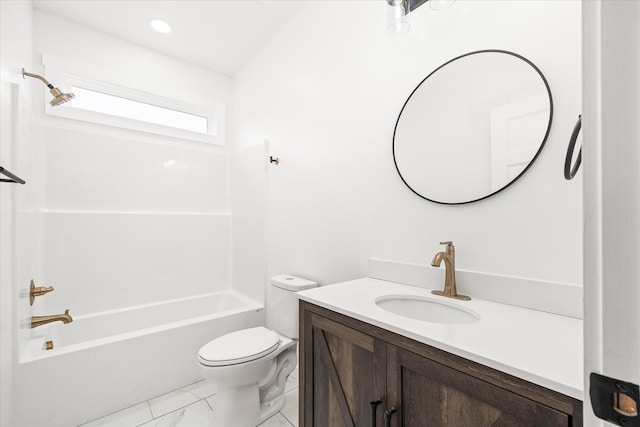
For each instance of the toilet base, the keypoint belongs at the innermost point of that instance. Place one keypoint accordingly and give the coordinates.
(237, 406)
(222, 417)
(269, 409)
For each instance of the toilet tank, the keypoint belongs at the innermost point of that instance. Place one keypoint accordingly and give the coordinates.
(284, 303)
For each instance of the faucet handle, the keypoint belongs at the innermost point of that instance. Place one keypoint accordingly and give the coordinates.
(450, 248)
(36, 292)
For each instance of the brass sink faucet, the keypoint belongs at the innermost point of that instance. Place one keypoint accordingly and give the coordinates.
(449, 258)
(43, 320)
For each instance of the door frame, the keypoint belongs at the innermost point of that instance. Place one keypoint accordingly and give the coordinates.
(611, 142)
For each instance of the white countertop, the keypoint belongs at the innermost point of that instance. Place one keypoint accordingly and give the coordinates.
(543, 348)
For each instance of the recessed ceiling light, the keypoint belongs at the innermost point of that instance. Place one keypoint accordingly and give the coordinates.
(160, 26)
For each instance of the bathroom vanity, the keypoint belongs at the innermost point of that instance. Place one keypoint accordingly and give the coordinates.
(361, 365)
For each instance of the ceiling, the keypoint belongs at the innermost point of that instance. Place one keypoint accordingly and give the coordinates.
(220, 35)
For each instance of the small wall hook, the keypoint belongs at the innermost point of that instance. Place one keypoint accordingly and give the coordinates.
(275, 160)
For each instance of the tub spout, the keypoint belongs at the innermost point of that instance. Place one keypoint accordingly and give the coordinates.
(43, 320)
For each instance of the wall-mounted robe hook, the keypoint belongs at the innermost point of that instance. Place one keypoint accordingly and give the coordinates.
(275, 160)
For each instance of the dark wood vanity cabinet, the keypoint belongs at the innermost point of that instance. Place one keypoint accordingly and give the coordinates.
(428, 393)
(346, 364)
(347, 369)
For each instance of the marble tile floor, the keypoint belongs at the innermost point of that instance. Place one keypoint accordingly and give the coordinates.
(191, 406)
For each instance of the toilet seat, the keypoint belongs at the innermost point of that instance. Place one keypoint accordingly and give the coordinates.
(239, 347)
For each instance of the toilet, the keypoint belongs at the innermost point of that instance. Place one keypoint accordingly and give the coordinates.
(250, 366)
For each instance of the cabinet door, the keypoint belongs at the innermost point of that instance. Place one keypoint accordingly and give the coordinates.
(344, 371)
(427, 393)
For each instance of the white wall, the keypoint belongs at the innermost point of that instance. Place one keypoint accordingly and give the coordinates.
(15, 53)
(326, 92)
(128, 218)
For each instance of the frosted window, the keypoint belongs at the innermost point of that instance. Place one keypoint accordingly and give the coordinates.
(99, 102)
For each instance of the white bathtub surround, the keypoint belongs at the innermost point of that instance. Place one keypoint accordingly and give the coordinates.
(553, 297)
(543, 348)
(192, 406)
(127, 226)
(113, 240)
(126, 217)
(108, 368)
(131, 229)
(249, 220)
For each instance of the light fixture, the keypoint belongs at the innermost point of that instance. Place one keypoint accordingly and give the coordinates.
(441, 4)
(160, 26)
(397, 24)
(59, 97)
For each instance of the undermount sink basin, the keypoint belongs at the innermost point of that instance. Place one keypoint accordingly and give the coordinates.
(426, 309)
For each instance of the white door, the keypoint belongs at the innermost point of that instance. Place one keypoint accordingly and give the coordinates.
(516, 136)
(611, 153)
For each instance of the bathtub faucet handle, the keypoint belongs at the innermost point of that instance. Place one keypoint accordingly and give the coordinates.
(37, 291)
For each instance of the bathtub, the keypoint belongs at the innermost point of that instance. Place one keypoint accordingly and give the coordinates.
(108, 361)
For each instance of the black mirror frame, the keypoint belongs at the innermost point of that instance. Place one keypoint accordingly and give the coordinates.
(544, 140)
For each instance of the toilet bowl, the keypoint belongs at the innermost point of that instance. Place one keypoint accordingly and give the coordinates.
(250, 366)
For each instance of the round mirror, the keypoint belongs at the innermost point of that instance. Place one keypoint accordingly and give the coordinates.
(472, 127)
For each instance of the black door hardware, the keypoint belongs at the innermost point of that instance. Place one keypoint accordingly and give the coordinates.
(614, 400)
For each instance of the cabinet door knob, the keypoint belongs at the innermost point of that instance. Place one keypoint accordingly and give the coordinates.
(387, 416)
(374, 406)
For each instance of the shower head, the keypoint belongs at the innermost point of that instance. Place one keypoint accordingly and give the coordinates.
(59, 97)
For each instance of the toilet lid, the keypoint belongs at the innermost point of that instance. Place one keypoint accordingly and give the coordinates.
(239, 347)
